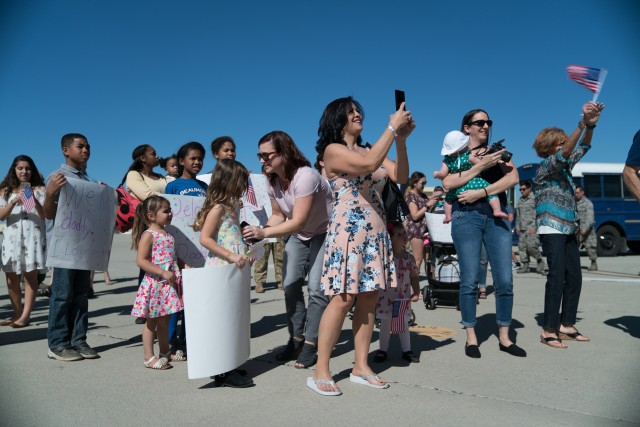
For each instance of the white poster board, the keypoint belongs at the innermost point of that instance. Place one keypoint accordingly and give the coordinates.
(83, 229)
(188, 247)
(217, 317)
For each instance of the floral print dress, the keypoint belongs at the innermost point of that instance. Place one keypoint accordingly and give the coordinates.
(229, 237)
(357, 253)
(416, 229)
(157, 297)
(23, 246)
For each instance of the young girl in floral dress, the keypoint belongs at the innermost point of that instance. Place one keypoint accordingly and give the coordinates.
(158, 294)
(220, 233)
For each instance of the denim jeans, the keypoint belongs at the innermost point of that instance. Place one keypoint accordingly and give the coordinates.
(482, 273)
(564, 281)
(471, 229)
(302, 257)
(68, 308)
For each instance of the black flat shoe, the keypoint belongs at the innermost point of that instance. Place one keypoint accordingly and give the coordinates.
(380, 356)
(409, 356)
(472, 351)
(291, 351)
(513, 350)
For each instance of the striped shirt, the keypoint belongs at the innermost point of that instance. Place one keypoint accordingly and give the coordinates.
(554, 191)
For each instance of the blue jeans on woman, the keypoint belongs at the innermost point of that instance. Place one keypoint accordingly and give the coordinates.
(471, 229)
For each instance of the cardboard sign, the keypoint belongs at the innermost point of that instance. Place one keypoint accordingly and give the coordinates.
(188, 247)
(83, 229)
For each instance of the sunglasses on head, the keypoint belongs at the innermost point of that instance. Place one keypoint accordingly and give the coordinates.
(481, 123)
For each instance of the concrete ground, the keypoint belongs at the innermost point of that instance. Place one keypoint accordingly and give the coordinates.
(588, 384)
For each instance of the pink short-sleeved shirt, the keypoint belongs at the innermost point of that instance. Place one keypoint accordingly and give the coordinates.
(305, 182)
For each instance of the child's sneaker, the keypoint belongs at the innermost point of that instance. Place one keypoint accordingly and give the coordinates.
(64, 355)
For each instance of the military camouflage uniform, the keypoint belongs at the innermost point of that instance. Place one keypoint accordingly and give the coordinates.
(528, 244)
(261, 265)
(584, 208)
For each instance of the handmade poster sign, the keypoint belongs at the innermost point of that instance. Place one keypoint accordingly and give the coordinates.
(256, 205)
(83, 228)
(216, 309)
(188, 247)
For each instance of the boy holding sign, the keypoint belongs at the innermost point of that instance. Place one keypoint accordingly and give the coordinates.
(68, 307)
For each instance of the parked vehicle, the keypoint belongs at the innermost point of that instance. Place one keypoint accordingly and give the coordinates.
(616, 212)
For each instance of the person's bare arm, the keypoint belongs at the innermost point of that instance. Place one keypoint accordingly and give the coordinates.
(457, 180)
(631, 180)
(510, 178)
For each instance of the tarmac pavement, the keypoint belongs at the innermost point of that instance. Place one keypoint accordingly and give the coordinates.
(588, 384)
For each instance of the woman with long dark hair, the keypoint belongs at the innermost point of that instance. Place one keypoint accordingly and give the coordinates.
(23, 246)
(140, 179)
(358, 260)
(419, 204)
(142, 182)
(473, 224)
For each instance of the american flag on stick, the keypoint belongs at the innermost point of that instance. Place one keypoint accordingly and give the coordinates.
(28, 202)
(398, 322)
(591, 78)
(251, 195)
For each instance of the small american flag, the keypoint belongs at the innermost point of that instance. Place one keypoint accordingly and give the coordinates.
(591, 78)
(28, 202)
(398, 321)
(251, 195)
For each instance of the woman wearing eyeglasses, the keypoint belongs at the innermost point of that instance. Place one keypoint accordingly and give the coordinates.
(554, 193)
(419, 204)
(474, 224)
(300, 205)
(358, 260)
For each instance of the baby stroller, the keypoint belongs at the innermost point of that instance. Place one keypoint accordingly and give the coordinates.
(444, 272)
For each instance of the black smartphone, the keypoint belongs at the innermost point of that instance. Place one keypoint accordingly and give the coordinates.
(399, 99)
(244, 224)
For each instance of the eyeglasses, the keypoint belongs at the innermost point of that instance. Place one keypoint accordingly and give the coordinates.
(266, 156)
(481, 123)
(422, 182)
(523, 188)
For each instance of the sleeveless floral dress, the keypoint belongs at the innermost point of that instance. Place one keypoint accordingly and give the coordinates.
(229, 237)
(357, 253)
(157, 297)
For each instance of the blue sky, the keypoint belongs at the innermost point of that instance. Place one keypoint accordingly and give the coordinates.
(164, 73)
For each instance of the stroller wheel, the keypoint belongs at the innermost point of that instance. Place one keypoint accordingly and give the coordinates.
(430, 304)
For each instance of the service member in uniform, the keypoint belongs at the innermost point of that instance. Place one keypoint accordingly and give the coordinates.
(587, 235)
(529, 242)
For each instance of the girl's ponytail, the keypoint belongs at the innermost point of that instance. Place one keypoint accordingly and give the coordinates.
(140, 224)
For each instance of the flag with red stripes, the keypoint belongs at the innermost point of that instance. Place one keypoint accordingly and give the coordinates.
(398, 315)
(591, 78)
(28, 202)
(251, 195)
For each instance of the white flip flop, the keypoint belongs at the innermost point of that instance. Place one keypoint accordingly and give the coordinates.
(313, 385)
(364, 380)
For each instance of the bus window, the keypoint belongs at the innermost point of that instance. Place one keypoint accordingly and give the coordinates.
(592, 186)
(612, 186)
